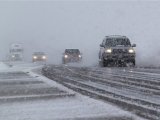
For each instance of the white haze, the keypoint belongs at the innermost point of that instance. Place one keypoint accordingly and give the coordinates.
(52, 26)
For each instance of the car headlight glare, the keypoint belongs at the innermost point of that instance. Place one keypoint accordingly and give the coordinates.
(79, 56)
(44, 57)
(65, 56)
(34, 57)
(131, 51)
(108, 50)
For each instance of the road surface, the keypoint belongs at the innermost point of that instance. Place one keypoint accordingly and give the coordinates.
(25, 94)
(133, 89)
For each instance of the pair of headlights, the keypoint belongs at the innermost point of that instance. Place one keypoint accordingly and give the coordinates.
(110, 50)
(43, 57)
(66, 56)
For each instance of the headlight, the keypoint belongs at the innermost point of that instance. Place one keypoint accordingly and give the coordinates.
(131, 51)
(108, 50)
(13, 56)
(44, 57)
(34, 57)
(65, 56)
(79, 56)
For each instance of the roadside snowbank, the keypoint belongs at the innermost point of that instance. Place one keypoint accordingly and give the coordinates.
(3, 66)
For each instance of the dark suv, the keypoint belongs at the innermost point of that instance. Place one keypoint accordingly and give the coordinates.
(117, 50)
(71, 55)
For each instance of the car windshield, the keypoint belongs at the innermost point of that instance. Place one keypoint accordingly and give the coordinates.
(39, 53)
(72, 51)
(112, 42)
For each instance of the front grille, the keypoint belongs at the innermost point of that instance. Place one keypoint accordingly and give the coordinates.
(119, 51)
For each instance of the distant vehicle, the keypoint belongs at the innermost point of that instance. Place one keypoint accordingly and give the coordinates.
(117, 50)
(39, 56)
(71, 55)
(16, 52)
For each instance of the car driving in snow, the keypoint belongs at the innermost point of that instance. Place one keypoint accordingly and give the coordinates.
(117, 50)
(71, 55)
(16, 52)
(39, 56)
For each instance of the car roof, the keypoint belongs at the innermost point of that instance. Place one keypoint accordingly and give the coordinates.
(72, 50)
(39, 53)
(115, 36)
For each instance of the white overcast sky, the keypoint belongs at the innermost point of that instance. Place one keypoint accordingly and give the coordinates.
(52, 26)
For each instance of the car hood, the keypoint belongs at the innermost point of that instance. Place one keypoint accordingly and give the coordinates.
(119, 47)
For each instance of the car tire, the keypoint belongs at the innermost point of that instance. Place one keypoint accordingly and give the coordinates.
(63, 61)
(134, 63)
(105, 63)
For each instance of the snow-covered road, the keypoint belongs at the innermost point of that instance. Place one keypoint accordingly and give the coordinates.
(133, 89)
(28, 95)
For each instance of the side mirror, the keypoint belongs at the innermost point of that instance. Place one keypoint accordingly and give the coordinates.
(133, 45)
(101, 45)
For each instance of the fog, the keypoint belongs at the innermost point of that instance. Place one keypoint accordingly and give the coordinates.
(52, 26)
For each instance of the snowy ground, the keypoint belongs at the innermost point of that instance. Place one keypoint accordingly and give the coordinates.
(3, 66)
(25, 95)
